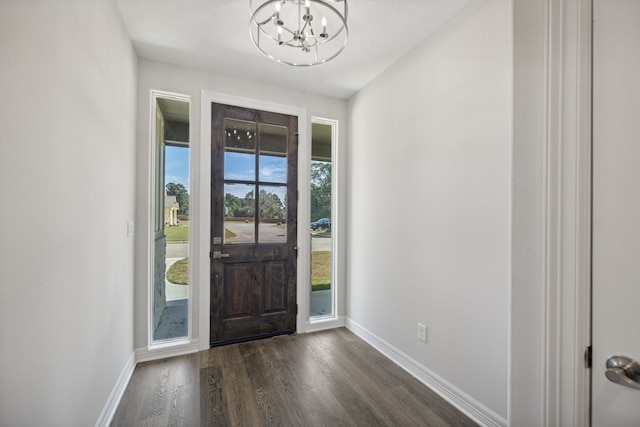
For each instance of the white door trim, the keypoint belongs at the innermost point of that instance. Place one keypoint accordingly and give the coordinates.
(550, 306)
(174, 345)
(334, 321)
(568, 332)
(304, 239)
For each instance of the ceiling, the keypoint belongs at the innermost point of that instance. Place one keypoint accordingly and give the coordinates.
(213, 35)
(174, 110)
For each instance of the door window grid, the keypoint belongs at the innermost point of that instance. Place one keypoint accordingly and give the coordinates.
(255, 186)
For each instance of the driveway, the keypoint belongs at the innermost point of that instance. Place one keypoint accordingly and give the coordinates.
(177, 250)
(181, 249)
(320, 243)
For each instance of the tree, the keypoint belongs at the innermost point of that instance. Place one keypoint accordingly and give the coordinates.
(320, 190)
(232, 205)
(182, 196)
(271, 207)
(249, 204)
(237, 207)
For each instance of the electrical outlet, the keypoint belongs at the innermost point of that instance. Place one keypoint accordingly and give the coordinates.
(422, 332)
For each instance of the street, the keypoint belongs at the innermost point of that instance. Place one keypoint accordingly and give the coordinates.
(181, 249)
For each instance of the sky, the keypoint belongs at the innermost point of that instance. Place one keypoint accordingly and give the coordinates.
(242, 166)
(238, 166)
(176, 165)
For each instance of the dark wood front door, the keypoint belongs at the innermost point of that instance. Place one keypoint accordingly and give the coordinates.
(254, 198)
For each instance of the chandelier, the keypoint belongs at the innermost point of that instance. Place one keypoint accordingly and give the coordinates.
(301, 33)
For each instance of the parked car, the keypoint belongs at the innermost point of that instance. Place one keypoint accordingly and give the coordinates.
(321, 223)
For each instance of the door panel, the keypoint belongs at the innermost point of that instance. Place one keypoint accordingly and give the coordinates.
(253, 224)
(616, 206)
(238, 282)
(275, 290)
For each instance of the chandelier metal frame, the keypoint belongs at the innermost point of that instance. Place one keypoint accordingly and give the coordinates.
(316, 40)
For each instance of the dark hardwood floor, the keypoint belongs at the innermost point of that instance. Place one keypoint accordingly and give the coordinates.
(329, 378)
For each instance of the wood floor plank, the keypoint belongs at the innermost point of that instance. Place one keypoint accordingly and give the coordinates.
(212, 405)
(174, 418)
(243, 409)
(386, 375)
(368, 387)
(140, 406)
(280, 379)
(301, 398)
(342, 382)
(270, 403)
(328, 378)
(314, 396)
(419, 411)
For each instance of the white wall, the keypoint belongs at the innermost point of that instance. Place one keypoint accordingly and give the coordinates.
(429, 210)
(67, 121)
(186, 81)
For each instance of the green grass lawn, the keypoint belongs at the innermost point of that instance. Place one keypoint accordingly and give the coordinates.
(228, 234)
(178, 273)
(320, 270)
(178, 233)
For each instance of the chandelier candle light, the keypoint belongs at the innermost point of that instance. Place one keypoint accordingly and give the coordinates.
(301, 33)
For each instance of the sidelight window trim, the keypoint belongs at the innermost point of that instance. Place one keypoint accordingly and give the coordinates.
(157, 348)
(333, 321)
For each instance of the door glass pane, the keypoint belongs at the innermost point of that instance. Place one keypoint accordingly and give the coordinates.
(322, 297)
(239, 211)
(273, 154)
(240, 150)
(273, 214)
(240, 197)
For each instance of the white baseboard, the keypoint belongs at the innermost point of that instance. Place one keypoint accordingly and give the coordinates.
(465, 403)
(322, 324)
(116, 394)
(171, 349)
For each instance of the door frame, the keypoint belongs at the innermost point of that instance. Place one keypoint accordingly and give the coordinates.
(551, 213)
(304, 239)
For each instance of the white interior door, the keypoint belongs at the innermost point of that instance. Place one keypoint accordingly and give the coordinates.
(616, 207)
